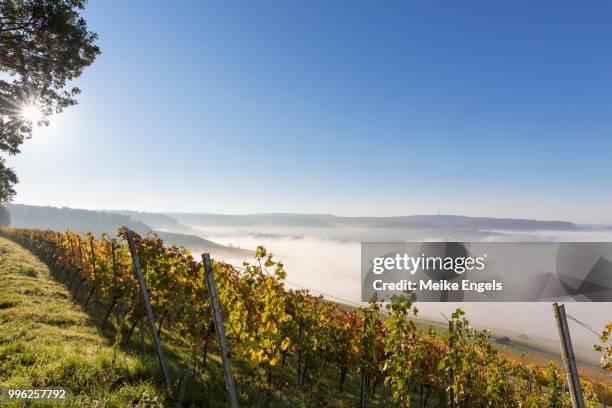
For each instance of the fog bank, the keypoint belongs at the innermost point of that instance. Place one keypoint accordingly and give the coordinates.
(327, 261)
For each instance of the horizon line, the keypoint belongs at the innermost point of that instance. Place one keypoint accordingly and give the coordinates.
(201, 212)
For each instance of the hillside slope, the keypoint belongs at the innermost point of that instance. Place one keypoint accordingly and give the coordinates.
(277, 220)
(100, 222)
(32, 216)
(48, 341)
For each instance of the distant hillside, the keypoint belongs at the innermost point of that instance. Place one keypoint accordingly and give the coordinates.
(99, 222)
(406, 222)
(456, 222)
(29, 216)
(199, 245)
(177, 228)
(155, 220)
(252, 220)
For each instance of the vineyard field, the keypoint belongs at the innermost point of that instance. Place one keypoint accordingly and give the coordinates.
(288, 347)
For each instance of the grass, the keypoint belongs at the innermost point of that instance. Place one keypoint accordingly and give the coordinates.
(48, 340)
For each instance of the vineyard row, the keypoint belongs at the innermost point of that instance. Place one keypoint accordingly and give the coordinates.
(265, 322)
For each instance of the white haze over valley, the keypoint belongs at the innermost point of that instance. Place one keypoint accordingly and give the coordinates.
(327, 261)
(323, 253)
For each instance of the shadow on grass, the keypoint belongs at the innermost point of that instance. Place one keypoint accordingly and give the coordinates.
(192, 383)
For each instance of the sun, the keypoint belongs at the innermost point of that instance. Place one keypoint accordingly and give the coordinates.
(32, 113)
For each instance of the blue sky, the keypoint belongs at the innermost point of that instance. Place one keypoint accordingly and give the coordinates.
(353, 108)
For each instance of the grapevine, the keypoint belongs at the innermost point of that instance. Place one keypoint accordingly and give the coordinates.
(265, 323)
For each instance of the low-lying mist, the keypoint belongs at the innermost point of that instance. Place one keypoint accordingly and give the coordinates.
(327, 261)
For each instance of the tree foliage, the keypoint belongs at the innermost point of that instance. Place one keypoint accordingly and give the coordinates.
(44, 44)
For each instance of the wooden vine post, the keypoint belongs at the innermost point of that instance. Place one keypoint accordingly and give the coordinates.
(569, 360)
(220, 329)
(362, 364)
(147, 304)
(93, 269)
(115, 286)
(72, 264)
(81, 279)
(451, 374)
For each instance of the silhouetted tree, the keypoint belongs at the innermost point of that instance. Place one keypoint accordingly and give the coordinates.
(5, 217)
(43, 45)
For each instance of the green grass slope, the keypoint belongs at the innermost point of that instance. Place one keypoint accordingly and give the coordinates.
(48, 341)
